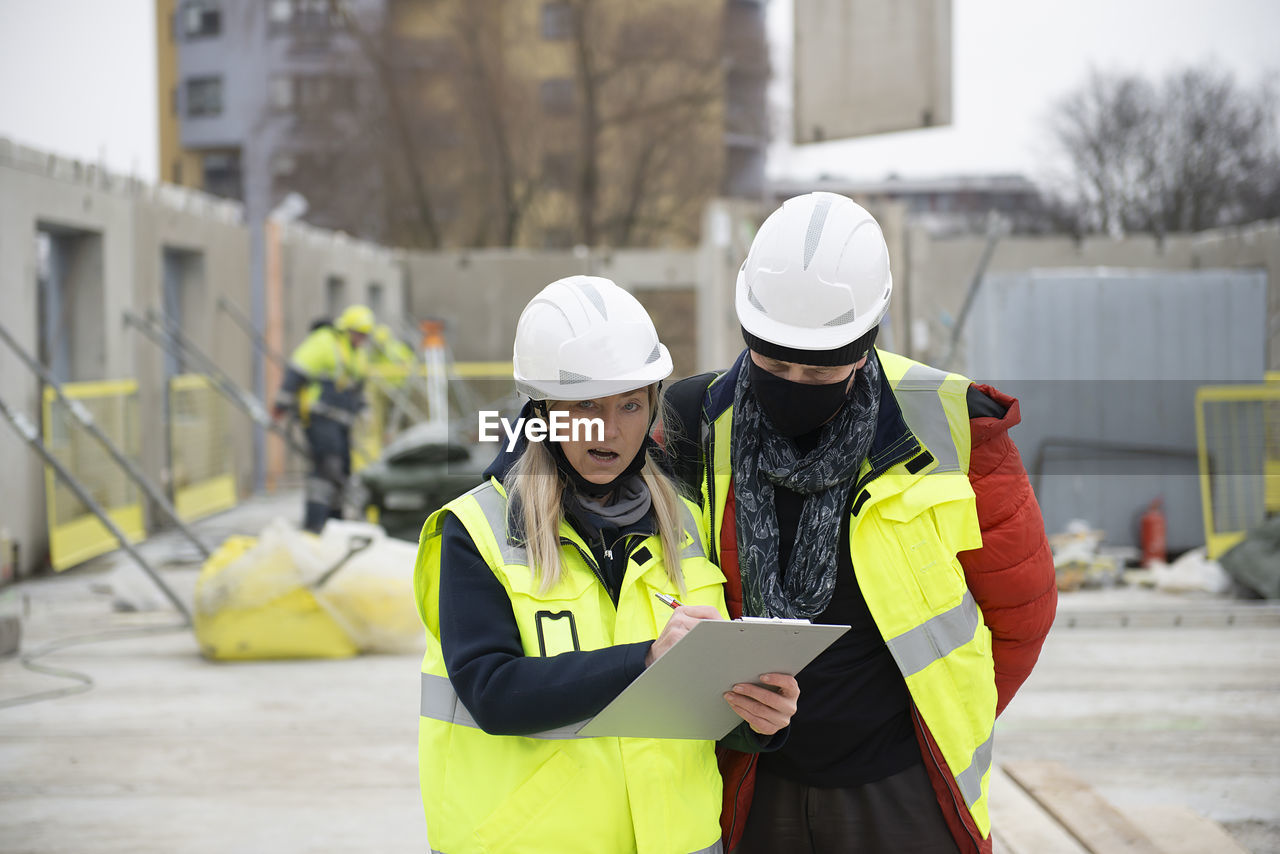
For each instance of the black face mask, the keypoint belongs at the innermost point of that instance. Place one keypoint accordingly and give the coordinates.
(796, 408)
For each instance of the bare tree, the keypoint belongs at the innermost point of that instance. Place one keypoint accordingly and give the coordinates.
(1195, 151)
(469, 150)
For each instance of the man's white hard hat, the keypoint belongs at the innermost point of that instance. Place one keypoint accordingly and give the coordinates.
(816, 280)
(584, 337)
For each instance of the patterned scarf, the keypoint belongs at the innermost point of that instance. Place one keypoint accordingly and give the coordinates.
(762, 460)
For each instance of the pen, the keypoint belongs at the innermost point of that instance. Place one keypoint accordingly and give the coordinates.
(668, 600)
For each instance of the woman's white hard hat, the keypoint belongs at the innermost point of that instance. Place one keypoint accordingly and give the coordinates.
(584, 337)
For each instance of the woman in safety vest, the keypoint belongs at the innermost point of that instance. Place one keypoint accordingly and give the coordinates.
(538, 588)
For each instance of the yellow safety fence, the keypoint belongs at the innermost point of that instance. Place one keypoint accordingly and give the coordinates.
(75, 534)
(1238, 433)
(200, 453)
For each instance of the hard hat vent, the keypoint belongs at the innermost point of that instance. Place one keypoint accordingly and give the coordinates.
(596, 299)
(816, 222)
(655, 355)
(570, 378)
(848, 317)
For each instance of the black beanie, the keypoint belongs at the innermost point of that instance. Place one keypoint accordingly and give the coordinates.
(845, 355)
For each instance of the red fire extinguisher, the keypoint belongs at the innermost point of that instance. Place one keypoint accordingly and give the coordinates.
(1152, 535)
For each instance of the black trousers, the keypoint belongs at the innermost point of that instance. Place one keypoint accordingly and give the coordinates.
(896, 815)
(330, 444)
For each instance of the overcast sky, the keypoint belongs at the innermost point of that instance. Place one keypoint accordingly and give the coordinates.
(78, 77)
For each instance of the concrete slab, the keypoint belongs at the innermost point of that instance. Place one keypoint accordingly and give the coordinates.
(170, 753)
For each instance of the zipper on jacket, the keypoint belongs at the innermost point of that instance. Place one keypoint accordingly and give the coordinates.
(737, 793)
(591, 562)
(960, 808)
(713, 530)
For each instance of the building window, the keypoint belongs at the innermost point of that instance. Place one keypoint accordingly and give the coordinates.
(335, 295)
(303, 16)
(280, 92)
(557, 96)
(201, 19)
(279, 13)
(222, 174)
(557, 21)
(204, 96)
(375, 298)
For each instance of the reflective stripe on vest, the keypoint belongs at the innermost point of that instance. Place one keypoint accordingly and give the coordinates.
(936, 637)
(493, 505)
(917, 396)
(718, 848)
(441, 703)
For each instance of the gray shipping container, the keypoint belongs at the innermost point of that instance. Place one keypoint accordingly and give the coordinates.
(1106, 364)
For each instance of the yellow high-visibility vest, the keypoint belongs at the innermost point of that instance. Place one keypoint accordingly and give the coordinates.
(334, 369)
(908, 523)
(555, 791)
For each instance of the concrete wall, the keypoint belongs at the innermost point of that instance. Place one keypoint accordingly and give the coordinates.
(481, 293)
(938, 271)
(1105, 364)
(95, 211)
(207, 233)
(114, 242)
(312, 257)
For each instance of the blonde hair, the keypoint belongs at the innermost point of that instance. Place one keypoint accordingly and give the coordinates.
(536, 487)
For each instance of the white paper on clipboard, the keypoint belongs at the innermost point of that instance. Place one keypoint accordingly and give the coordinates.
(682, 694)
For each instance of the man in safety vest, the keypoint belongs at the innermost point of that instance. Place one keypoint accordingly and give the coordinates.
(324, 388)
(845, 484)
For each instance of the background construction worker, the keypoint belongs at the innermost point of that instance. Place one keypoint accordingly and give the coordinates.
(324, 389)
(846, 484)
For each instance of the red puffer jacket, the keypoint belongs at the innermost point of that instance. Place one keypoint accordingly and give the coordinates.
(1011, 578)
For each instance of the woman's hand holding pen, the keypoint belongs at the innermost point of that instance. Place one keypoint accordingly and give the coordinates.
(683, 619)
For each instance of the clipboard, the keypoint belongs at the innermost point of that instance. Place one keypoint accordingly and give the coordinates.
(682, 694)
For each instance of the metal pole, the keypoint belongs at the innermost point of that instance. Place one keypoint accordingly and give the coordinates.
(81, 414)
(238, 396)
(28, 431)
(237, 316)
(993, 237)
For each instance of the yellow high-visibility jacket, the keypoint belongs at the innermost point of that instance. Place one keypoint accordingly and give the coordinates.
(325, 377)
(556, 791)
(911, 513)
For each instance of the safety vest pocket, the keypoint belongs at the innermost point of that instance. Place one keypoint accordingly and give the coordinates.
(515, 821)
(935, 570)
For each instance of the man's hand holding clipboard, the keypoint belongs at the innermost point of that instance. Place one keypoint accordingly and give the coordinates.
(766, 708)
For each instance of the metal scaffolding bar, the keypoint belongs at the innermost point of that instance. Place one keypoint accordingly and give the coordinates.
(85, 418)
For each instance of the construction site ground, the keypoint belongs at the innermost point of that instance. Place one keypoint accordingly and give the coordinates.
(1148, 714)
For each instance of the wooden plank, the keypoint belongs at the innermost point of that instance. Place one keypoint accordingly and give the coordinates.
(1181, 830)
(1098, 826)
(1020, 826)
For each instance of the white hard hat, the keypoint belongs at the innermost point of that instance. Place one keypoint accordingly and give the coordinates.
(584, 337)
(816, 280)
